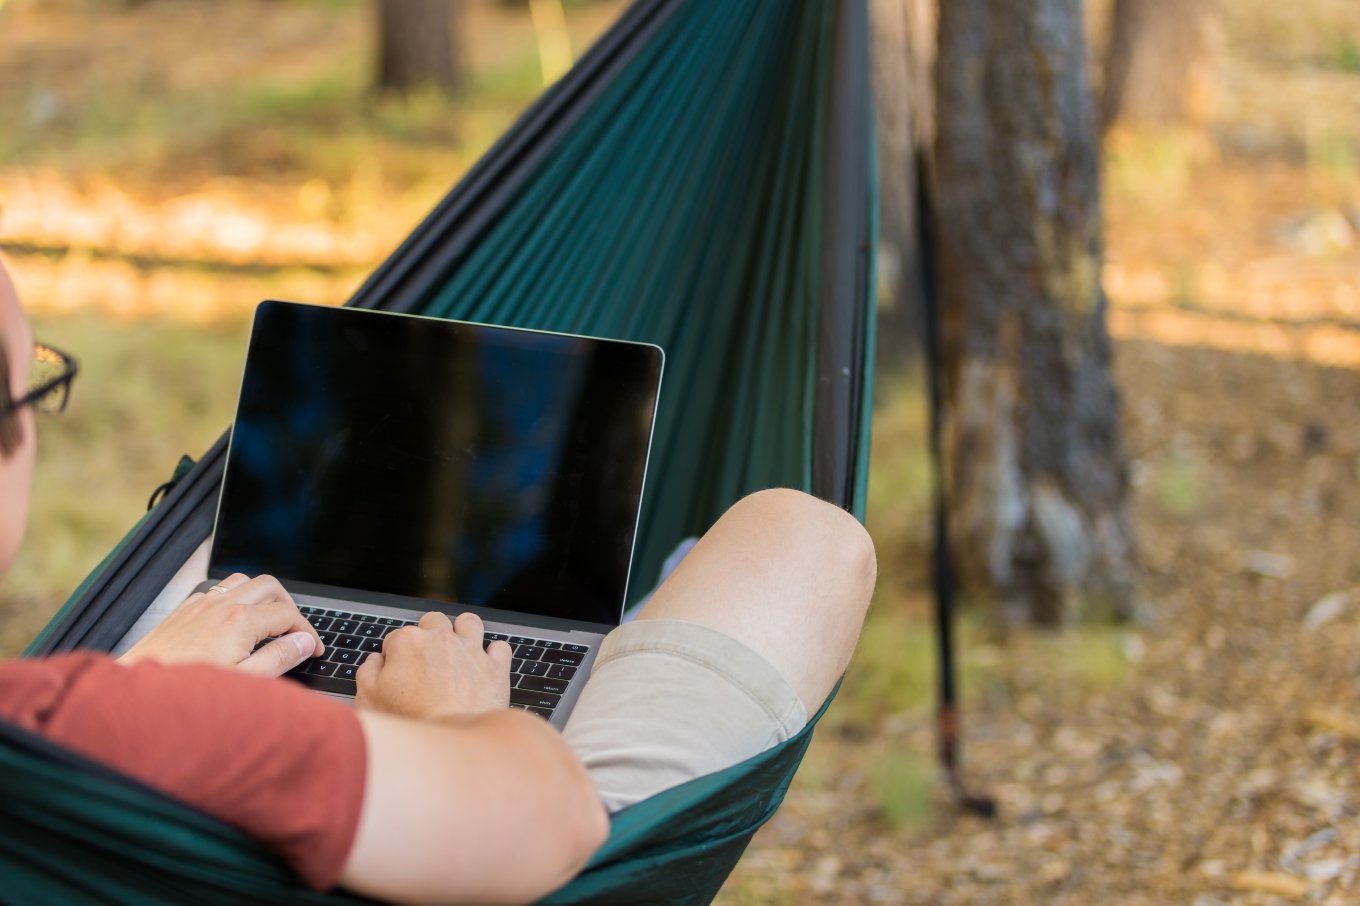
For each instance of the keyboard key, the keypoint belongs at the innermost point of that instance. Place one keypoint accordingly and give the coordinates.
(348, 641)
(330, 684)
(542, 684)
(365, 618)
(362, 656)
(580, 649)
(516, 665)
(327, 638)
(342, 656)
(343, 625)
(346, 673)
(309, 611)
(338, 614)
(541, 712)
(371, 645)
(496, 637)
(534, 668)
(529, 652)
(370, 631)
(388, 621)
(534, 699)
(315, 667)
(319, 622)
(562, 672)
(570, 658)
(521, 640)
(548, 643)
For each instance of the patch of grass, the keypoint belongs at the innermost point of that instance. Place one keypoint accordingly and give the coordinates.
(1087, 659)
(325, 124)
(903, 785)
(1332, 151)
(1178, 484)
(1346, 55)
(147, 393)
(901, 483)
(1151, 168)
(893, 669)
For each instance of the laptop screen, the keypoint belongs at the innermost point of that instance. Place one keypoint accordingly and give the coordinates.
(437, 459)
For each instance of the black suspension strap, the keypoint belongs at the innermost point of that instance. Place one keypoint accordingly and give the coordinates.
(947, 712)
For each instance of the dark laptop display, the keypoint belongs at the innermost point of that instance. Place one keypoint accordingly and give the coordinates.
(438, 460)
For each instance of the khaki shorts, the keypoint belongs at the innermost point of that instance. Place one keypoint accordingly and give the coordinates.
(669, 701)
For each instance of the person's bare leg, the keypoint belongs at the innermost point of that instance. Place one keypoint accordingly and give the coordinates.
(787, 575)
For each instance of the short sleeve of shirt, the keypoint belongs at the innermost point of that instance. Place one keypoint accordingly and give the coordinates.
(264, 755)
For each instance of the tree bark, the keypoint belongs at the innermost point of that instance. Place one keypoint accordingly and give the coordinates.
(1034, 475)
(416, 46)
(903, 58)
(1162, 63)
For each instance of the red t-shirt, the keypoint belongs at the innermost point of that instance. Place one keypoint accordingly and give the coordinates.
(264, 755)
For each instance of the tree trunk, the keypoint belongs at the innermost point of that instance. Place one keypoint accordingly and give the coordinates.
(1161, 65)
(416, 45)
(1034, 476)
(903, 56)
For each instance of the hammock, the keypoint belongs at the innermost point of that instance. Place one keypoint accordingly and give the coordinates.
(702, 179)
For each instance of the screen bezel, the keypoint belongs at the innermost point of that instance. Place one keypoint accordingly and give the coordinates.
(656, 358)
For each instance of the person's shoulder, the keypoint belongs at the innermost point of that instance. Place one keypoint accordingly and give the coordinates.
(262, 754)
(32, 688)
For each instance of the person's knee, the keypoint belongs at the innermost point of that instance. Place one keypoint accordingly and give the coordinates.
(823, 535)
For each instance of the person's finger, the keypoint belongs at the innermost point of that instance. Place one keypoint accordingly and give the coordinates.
(470, 627)
(369, 669)
(435, 620)
(277, 618)
(500, 652)
(399, 636)
(366, 678)
(280, 655)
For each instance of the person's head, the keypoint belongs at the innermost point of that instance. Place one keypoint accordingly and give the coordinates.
(17, 441)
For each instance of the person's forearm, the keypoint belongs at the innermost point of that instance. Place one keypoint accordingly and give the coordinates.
(492, 809)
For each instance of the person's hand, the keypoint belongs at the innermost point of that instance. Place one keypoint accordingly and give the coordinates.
(223, 628)
(436, 669)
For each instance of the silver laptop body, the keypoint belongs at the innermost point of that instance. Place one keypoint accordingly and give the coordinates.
(384, 465)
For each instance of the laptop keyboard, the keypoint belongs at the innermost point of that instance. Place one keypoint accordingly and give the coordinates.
(539, 673)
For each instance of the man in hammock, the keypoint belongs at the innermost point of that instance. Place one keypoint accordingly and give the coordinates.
(431, 789)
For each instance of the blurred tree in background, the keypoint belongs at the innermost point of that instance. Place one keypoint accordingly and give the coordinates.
(903, 35)
(1034, 477)
(417, 44)
(1162, 63)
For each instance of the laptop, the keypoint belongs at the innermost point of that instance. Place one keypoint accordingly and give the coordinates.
(383, 465)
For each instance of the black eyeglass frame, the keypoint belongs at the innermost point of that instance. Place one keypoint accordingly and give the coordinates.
(69, 368)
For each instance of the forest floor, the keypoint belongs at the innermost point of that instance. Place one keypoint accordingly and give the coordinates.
(1221, 765)
(1208, 753)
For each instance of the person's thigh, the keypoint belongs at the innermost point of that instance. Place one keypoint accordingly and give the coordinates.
(732, 652)
(668, 701)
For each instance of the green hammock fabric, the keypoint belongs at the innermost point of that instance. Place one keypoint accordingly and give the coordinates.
(703, 179)
(685, 210)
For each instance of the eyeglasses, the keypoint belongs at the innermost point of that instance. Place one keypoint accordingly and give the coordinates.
(49, 381)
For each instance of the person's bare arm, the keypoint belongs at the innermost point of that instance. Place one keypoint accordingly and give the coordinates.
(488, 809)
(465, 800)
